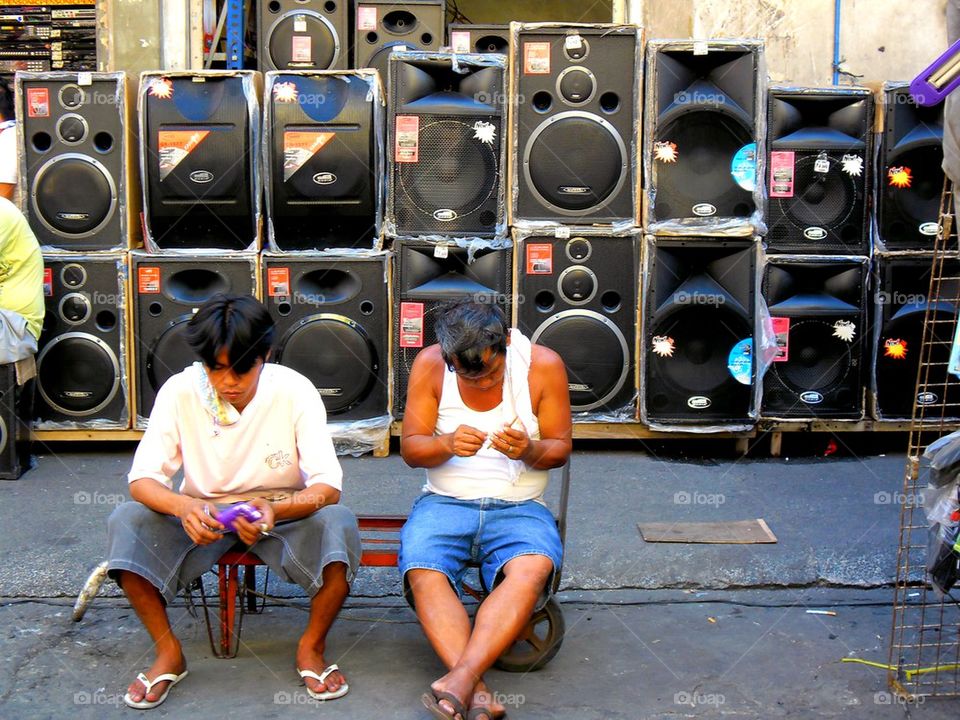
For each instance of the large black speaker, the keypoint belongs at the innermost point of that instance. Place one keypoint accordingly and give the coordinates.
(167, 290)
(75, 137)
(324, 159)
(82, 354)
(703, 100)
(427, 275)
(819, 315)
(199, 155)
(478, 38)
(910, 173)
(333, 319)
(446, 144)
(302, 34)
(576, 92)
(384, 27)
(698, 328)
(902, 302)
(579, 298)
(15, 411)
(820, 142)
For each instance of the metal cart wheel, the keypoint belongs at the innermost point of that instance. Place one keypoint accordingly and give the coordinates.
(538, 643)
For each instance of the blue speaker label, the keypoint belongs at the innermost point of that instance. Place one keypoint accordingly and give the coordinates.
(740, 362)
(744, 167)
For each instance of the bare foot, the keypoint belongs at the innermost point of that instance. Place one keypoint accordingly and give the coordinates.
(169, 660)
(483, 698)
(457, 683)
(309, 657)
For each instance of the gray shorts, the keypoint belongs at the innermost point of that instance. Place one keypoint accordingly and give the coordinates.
(156, 547)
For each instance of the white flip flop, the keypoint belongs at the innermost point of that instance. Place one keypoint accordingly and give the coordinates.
(145, 704)
(326, 695)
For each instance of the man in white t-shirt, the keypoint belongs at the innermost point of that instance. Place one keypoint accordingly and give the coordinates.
(8, 145)
(242, 430)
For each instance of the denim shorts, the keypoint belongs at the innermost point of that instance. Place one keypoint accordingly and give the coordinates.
(450, 535)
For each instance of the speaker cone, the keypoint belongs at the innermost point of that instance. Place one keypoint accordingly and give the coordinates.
(169, 353)
(78, 374)
(74, 195)
(818, 360)
(919, 202)
(825, 200)
(594, 351)
(317, 40)
(336, 354)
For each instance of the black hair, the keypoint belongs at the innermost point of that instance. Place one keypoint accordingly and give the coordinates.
(465, 329)
(6, 99)
(239, 324)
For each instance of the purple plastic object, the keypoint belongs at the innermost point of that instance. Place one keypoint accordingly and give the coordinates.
(939, 80)
(248, 512)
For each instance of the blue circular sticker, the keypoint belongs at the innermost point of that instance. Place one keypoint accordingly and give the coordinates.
(740, 362)
(744, 167)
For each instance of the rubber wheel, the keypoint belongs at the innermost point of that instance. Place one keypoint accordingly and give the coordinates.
(538, 643)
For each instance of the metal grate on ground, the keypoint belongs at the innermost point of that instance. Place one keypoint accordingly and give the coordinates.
(925, 639)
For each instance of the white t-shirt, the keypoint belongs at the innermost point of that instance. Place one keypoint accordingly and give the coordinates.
(280, 444)
(8, 156)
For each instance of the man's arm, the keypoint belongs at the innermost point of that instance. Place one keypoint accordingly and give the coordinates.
(553, 415)
(6, 190)
(419, 447)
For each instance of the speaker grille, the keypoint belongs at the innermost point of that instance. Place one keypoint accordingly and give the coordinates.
(78, 373)
(316, 47)
(74, 195)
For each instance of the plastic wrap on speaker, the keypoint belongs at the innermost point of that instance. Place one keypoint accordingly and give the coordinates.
(119, 362)
(377, 99)
(850, 334)
(599, 324)
(622, 225)
(484, 133)
(123, 188)
(745, 359)
(152, 82)
(360, 436)
(748, 163)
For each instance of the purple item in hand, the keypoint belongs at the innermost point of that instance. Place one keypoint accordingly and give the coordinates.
(244, 510)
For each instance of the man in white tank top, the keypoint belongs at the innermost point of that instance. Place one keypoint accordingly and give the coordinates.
(487, 414)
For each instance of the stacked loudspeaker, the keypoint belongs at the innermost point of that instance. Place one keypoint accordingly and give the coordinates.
(80, 196)
(574, 94)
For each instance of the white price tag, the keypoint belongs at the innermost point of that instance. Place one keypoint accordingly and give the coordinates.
(562, 233)
(701, 48)
(300, 24)
(441, 251)
(573, 42)
(822, 164)
(84, 78)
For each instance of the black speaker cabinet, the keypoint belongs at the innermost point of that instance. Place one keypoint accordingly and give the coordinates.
(15, 411)
(167, 290)
(199, 156)
(77, 175)
(578, 297)
(302, 34)
(821, 154)
(910, 174)
(464, 39)
(702, 137)
(819, 316)
(333, 320)
(576, 92)
(384, 27)
(82, 378)
(902, 299)
(698, 331)
(446, 144)
(428, 275)
(324, 159)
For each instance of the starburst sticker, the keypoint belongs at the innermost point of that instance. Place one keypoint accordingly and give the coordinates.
(161, 88)
(852, 165)
(895, 348)
(665, 152)
(845, 330)
(484, 132)
(900, 177)
(663, 345)
(285, 92)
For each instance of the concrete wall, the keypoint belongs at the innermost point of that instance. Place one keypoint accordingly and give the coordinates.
(484, 11)
(880, 39)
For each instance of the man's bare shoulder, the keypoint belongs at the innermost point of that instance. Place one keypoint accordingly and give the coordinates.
(430, 358)
(544, 359)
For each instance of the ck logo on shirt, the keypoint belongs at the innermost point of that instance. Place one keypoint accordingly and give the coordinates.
(278, 460)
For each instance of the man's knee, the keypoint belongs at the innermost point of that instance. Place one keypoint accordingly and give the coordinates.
(534, 570)
(132, 515)
(337, 516)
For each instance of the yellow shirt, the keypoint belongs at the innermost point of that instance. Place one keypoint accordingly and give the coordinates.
(21, 268)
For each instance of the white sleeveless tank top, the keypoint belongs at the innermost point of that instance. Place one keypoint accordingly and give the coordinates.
(489, 473)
